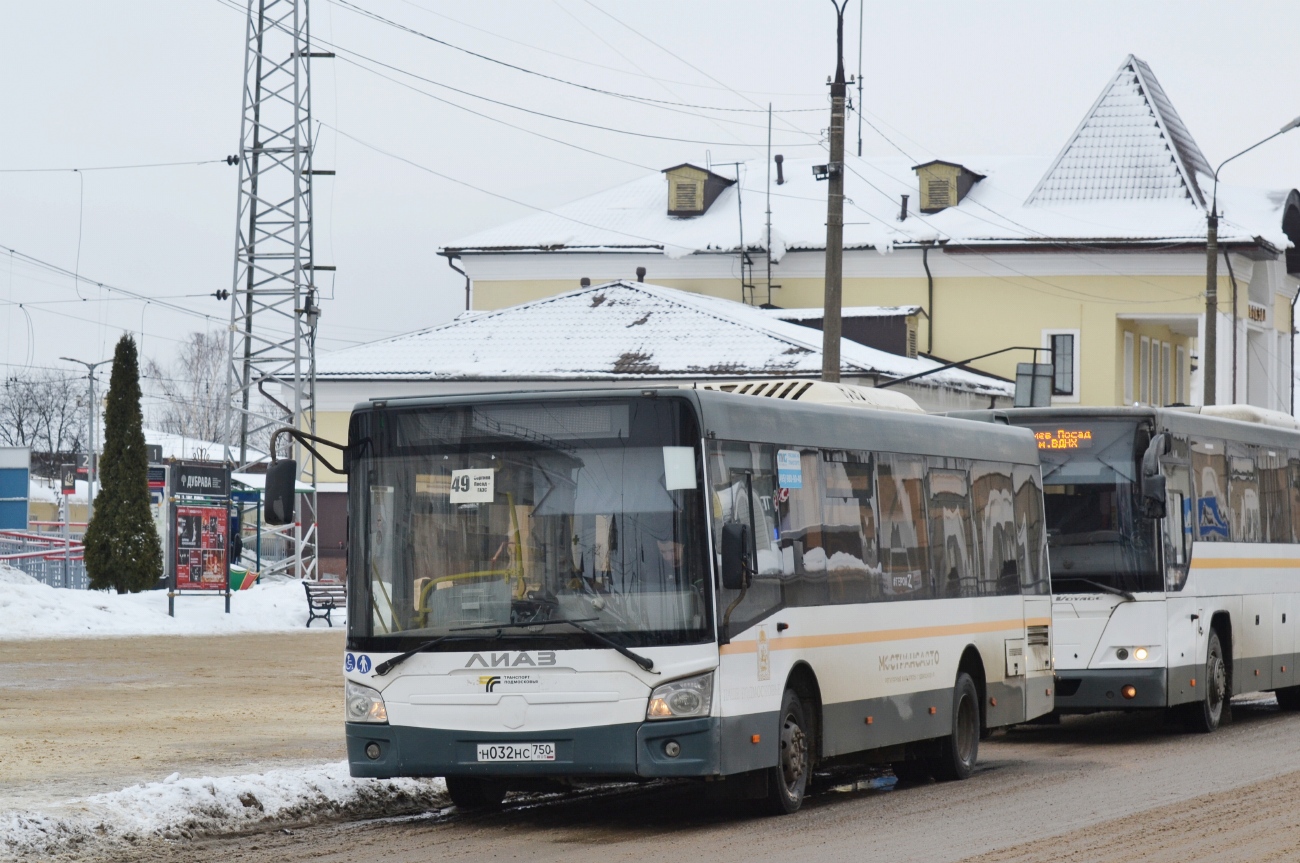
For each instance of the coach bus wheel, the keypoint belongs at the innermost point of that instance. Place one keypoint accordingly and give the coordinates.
(789, 778)
(1204, 716)
(1288, 698)
(468, 792)
(960, 749)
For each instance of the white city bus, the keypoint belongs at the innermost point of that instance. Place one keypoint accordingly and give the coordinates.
(1175, 566)
(686, 583)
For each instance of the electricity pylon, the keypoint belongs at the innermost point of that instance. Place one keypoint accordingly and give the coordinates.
(271, 375)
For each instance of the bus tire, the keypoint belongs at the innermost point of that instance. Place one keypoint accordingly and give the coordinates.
(959, 751)
(1288, 698)
(788, 780)
(470, 792)
(1205, 715)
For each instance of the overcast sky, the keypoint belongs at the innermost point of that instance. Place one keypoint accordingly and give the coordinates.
(89, 83)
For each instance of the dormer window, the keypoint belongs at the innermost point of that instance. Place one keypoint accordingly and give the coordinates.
(943, 184)
(692, 190)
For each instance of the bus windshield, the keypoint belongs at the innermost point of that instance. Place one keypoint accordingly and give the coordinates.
(1096, 536)
(522, 515)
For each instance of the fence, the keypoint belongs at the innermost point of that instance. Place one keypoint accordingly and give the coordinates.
(47, 557)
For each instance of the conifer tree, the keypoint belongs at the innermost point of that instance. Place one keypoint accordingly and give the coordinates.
(122, 548)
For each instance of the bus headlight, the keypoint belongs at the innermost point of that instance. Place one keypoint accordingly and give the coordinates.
(363, 704)
(690, 697)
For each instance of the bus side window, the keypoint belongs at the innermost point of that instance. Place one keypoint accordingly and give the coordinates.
(849, 527)
(1274, 495)
(995, 523)
(1031, 535)
(1244, 520)
(904, 534)
(954, 560)
(735, 469)
(1210, 484)
(799, 517)
(1177, 524)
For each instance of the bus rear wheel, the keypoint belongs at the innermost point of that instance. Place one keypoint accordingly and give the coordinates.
(1205, 715)
(788, 780)
(469, 792)
(960, 749)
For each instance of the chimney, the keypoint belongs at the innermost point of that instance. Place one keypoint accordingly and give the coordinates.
(780, 172)
(902, 214)
(584, 282)
(640, 274)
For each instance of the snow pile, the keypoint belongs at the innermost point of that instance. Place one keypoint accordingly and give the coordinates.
(29, 609)
(184, 808)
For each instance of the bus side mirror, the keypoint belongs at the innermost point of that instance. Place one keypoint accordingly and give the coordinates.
(1153, 481)
(735, 556)
(281, 493)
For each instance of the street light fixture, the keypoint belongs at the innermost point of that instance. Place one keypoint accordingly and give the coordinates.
(91, 466)
(1211, 353)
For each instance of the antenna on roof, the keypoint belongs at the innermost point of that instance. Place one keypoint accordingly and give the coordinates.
(744, 253)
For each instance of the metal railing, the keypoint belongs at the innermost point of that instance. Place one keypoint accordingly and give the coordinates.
(52, 559)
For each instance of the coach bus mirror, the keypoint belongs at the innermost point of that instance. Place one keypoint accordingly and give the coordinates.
(735, 556)
(1153, 496)
(281, 482)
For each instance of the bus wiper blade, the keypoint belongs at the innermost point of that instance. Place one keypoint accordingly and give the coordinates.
(577, 623)
(389, 664)
(1105, 588)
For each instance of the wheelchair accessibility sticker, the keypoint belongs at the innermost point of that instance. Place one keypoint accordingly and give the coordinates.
(349, 662)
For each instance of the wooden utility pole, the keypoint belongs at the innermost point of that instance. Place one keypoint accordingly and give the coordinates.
(835, 214)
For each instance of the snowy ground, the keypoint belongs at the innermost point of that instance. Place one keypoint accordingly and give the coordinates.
(177, 808)
(29, 609)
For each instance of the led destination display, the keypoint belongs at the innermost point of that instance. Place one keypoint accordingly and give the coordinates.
(1064, 439)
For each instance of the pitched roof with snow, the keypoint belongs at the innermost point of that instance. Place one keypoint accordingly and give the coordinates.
(1131, 145)
(1128, 175)
(624, 331)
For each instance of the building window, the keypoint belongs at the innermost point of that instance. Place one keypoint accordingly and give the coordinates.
(1128, 368)
(1064, 347)
(1166, 370)
(1180, 382)
(1144, 372)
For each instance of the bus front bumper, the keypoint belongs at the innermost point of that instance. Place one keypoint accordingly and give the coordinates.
(638, 749)
(1080, 690)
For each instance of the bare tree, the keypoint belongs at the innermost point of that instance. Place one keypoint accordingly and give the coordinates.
(43, 410)
(192, 388)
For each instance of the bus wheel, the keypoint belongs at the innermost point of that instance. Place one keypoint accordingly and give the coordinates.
(789, 778)
(1205, 715)
(960, 749)
(1288, 698)
(468, 792)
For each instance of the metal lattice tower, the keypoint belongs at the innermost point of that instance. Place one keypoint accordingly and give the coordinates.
(271, 379)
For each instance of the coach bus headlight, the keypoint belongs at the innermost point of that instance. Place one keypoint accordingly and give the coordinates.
(690, 697)
(363, 704)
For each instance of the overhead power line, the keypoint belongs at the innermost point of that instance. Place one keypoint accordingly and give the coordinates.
(225, 161)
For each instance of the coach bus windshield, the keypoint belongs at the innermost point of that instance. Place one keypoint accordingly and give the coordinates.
(499, 522)
(1096, 535)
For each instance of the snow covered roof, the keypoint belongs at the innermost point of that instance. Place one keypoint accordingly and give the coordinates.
(1128, 175)
(1131, 145)
(624, 331)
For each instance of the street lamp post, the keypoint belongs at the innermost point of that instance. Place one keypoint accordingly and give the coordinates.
(91, 467)
(1210, 360)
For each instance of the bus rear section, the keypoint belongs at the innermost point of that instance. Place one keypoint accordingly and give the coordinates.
(572, 587)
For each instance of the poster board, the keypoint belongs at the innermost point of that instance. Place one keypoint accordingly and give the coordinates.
(201, 552)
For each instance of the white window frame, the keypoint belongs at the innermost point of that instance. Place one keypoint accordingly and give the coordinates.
(1180, 375)
(1166, 369)
(1072, 398)
(1128, 369)
(1144, 372)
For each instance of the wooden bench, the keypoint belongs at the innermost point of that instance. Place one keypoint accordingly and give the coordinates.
(324, 597)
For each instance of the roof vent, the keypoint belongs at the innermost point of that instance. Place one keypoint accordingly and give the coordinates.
(943, 184)
(691, 190)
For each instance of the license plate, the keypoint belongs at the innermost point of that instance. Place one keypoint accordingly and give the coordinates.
(516, 752)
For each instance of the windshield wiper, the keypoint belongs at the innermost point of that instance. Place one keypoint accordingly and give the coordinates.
(644, 661)
(388, 665)
(1105, 588)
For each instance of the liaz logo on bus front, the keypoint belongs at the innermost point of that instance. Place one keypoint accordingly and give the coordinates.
(502, 660)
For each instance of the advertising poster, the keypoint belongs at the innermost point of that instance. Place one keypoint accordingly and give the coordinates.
(201, 533)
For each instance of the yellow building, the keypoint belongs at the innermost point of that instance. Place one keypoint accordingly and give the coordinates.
(1099, 253)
